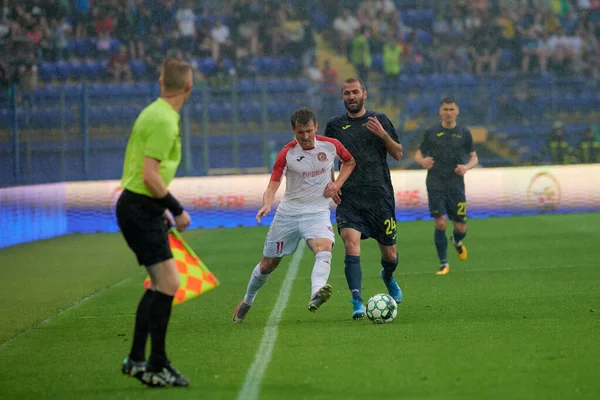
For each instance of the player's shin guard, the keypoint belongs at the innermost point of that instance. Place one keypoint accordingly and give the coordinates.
(354, 276)
(160, 312)
(140, 333)
(389, 267)
(441, 245)
(320, 272)
(257, 280)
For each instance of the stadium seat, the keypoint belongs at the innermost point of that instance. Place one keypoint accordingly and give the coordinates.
(63, 70)
(274, 85)
(276, 110)
(319, 20)
(93, 69)
(424, 37)
(207, 65)
(248, 86)
(138, 68)
(47, 71)
(377, 63)
(219, 112)
(76, 70)
(250, 112)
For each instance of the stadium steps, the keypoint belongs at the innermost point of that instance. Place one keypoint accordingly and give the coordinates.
(338, 61)
(497, 146)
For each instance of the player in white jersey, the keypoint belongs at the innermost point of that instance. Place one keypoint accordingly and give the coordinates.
(303, 213)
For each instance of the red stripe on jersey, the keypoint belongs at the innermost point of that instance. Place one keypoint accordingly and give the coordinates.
(341, 151)
(281, 162)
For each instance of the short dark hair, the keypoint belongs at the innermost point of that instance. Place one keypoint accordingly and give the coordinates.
(448, 100)
(354, 79)
(303, 116)
(173, 73)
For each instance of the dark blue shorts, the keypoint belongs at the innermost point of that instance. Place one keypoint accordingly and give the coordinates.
(373, 215)
(452, 203)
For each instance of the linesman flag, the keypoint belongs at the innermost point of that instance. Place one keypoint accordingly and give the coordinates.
(195, 277)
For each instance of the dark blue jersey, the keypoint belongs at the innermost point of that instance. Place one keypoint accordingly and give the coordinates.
(372, 173)
(448, 148)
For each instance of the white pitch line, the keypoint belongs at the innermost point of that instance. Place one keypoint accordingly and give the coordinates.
(62, 311)
(251, 387)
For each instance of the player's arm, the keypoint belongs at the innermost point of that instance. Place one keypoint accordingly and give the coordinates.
(473, 159)
(268, 197)
(425, 162)
(391, 143)
(348, 163)
(274, 183)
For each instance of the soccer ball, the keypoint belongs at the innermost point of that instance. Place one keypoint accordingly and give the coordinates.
(382, 309)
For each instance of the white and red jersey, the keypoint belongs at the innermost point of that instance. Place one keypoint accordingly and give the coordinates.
(307, 173)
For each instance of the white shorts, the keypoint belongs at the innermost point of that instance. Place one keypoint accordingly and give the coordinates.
(285, 232)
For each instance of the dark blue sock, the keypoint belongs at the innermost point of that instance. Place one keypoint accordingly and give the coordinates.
(389, 267)
(354, 276)
(458, 236)
(441, 245)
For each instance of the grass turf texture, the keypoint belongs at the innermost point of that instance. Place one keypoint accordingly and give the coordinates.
(518, 319)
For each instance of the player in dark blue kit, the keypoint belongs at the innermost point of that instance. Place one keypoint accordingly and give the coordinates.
(367, 207)
(447, 153)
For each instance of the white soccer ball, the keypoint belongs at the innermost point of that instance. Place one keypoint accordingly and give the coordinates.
(382, 309)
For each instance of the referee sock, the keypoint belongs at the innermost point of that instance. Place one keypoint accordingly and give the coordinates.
(140, 332)
(354, 276)
(388, 268)
(441, 245)
(160, 312)
(320, 272)
(257, 280)
(457, 237)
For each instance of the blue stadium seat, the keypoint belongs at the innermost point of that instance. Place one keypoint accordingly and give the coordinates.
(406, 82)
(98, 90)
(196, 112)
(319, 20)
(219, 112)
(249, 112)
(47, 71)
(413, 106)
(93, 69)
(72, 48)
(138, 68)
(4, 118)
(143, 89)
(424, 37)
(587, 101)
(63, 70)
(206, 65)
(248, 86)
(377, 63)
(274, 85)
(277, 110)
(76, 70)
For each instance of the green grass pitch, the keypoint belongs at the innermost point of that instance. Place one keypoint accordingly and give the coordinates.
(518, 320)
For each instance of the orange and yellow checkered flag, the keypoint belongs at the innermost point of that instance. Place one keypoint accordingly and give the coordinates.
(195, 277)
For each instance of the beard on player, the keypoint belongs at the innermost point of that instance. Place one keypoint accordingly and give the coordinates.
(355, 105)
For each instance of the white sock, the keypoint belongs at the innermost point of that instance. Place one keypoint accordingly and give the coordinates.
(320, 272)
(257, 280)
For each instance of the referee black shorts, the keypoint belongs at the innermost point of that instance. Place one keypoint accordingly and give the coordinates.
(141, 221)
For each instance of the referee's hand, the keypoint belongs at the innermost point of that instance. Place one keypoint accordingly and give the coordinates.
(182, 221)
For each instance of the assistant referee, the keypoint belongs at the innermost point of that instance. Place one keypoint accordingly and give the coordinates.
(143, 210)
